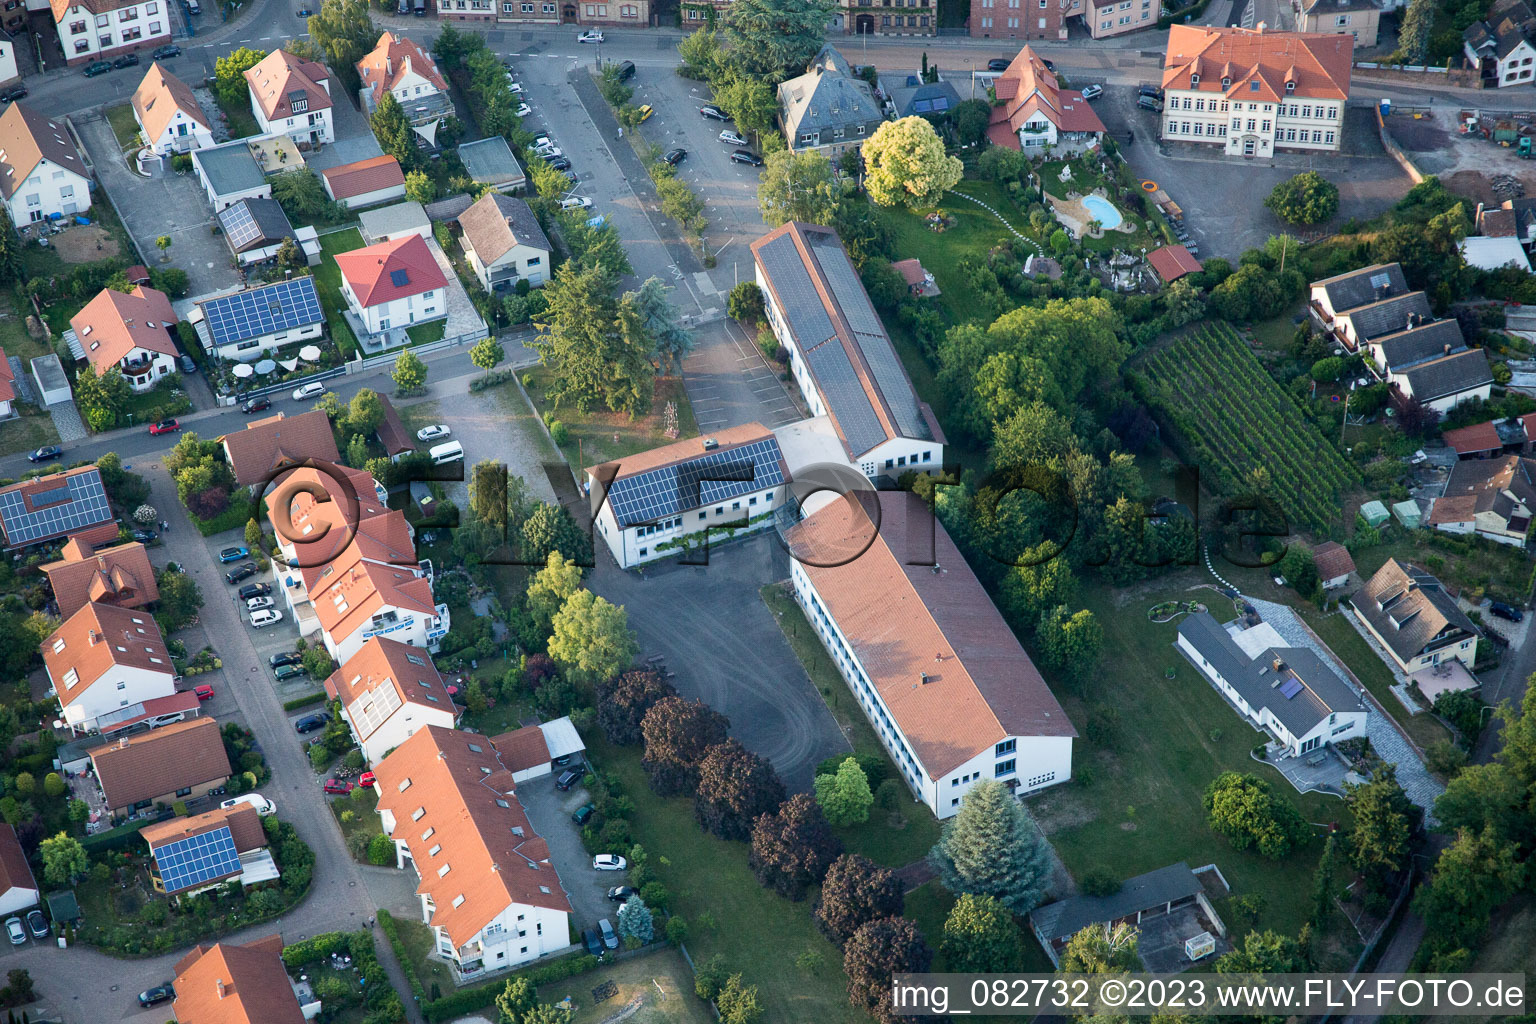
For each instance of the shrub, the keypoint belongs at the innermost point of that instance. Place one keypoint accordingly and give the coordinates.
(381, 850)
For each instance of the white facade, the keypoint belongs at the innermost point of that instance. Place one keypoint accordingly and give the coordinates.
(117, 688)
(519, 263)
(313, 126)
(636, 545)
(1035, 762)
(1515, 68)
(406, 625)
(181, 134)
(8, 69)
(1244, 128)
(85, 36)
(396, 313)
(388, 194)
(143, 369)
(1444, 404)
(48, 190)
(1113, 18)
(16, 899)
(250, 349)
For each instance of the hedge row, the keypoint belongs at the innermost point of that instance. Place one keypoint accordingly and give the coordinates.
(119, 838)
(234, 517)
(303, 702)
(318, 948)
(392, 932)
(469, 1000)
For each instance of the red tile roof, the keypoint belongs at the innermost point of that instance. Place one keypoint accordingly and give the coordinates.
(279, 440)
(911, 271)
(1332, 560)
(7, 379)
(1480, 437)
(523, 748)
(1027, 88)
(382, 680)
(323, 511)
(352, 590)
(113, 324)
(157, 99)
(96, 638)
(159, 762)
(392, 59)
(229, 984)
(281, 77)
(391, 431)
(15, 872)
(363, 176)
(119, 575)
(1172, 262)
(371, 272)
(1317, 64)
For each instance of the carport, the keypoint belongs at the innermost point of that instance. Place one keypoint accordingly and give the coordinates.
(1154, 895)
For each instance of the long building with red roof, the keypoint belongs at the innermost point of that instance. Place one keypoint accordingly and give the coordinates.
(1253, 91)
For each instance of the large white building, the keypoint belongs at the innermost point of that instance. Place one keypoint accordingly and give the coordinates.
(103, 662)
(41, 172)
(388, 690)
(292, 97)
(393, 284)
(840, 354)
(950, 692)
(488, 890)
(244, 326)
(92, 29)
(1254, 92)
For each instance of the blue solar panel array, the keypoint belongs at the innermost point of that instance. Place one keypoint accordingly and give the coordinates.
(250, 314)
(78, 502)
(400, 278)
(1290, 689)
(197, 859)
(659, 493)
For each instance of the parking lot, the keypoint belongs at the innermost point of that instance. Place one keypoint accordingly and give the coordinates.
(549, 812)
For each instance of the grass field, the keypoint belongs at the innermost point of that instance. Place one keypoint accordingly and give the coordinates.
(974, 232)
(328, 283)
(427, 333)
(599, 435)
(661, 982)
(32, 429)
(123, 125)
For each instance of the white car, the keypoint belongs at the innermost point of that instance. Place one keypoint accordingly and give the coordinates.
(433, 432)
(308, 391)
(17, 933)
(256, 604)
(544, 144)
(575, 203)
(266, 617)
(733, 138)
(1092, 92)
(609, 862)
(523, 110)
(263, 806)
(515, 88)
(548, 153)
(591, 35)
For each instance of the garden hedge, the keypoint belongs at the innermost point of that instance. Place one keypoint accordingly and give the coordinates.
(468, 1000)
(303, 702)
(392, 933)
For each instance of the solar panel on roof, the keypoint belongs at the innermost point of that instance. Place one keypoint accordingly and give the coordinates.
(197, 859)
(713, 477)
(239, 226)
(86, 506)
(845, 397)
(250, 314)
(1291, 688)
(400, 278)
(807, 317)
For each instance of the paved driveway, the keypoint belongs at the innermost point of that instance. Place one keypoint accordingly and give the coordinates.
(727, 650)
(549, 812)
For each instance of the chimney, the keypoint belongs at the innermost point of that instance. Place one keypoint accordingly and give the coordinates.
(389, 66)
(923, 678)
(710, 444)
(1277, 664)
(220, 986)
(1447, 349)
(1260, 27)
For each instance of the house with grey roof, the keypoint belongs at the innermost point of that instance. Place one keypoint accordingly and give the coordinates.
(1413, 619)
(1494, 498)
(387, 223)
(1500, 46)
(1289, 692)
(490, 162)
(1429, 361)
(229, 173)
(1153, 894)
(828, 109)
(1334, 295)
(504, 243)
(907, 95)
(1396, 313)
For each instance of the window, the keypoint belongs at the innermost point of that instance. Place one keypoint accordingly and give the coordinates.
(405, 784)
(427, 834)
(1199, 128)
(184, 791)
(1004, 768)
(1251, 124)
(436, 849)
(101, 20)
(1306, 111)
(417, 813)
(458, 901)
(1328, 138)
(1006, 747)
(1226, 83)
(1265, 126)
(1253, 86)
(444, 870)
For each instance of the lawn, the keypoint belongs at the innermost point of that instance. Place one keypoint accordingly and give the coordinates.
(973, 234)
(427, 333)
(1500, 571)
(363, 816)
(417, 939)
(328, 283)
(238, 117)
(661, 982)
(599, 435)
(13, 330)
(123, 125)
(32, 429)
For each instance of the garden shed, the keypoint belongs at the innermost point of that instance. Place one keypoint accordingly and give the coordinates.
(1408, 513)
(1375, 513)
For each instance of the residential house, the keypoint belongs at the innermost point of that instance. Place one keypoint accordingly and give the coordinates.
(503, 243)
(1172, 262)
(7, 388)
(1035, 114)
(1254, 92)
(488, 890)
(255, 229)
(130, 331)
(223, 983)
(168, 114)
(246, 325)
(176, 762)
(1478, 441)
(1494, 253)
(1022, 19)
(908, 95)
(390, 222)
(828, 109)
(941, 677)
(119, 575)
(1523, 214)
(267, 445)
(664, 501)
(1428, 362)
(315, 513)
(369, 182)
(42, 175)
(635, 14)
(378, 538)
(357, 597)
(12, 23)
(905, 18)
(91, 30)
(1493, 498)
(1154, 894)
(1359, 19)
(821, 314)
(391, 433)
(1289, 692)
(1500, 46)
(229, 173)
(190, 854)
(1497, 221)
(68, 504)
(18, 889)
(1106, 18)
(490, 161)
(292, 97)
(1413, 619)
(1335, 295)
(387, 691)
(1375, 319)
(1333, 563)
(537, 750)
(398, 67)
(393, 284)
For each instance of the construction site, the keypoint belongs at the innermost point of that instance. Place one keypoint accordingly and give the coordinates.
(1485, 156)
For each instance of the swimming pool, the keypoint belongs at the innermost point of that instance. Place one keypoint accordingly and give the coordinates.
(1103, 211)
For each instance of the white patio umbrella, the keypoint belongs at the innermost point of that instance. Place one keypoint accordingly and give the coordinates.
(266, 366)
(310, 352)
(243, 370)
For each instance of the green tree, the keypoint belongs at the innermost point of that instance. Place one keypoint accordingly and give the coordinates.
(253, 534)
(394, 132)
(64, 859)
(518, 996)
(163, 243)
(1413, 33)
(10, 255)
(774, 39)
(1472, 876)
(25, 783)
(410, 372)
(1264, 953)
(418, 187)
(749, 101)
(596, 247)
(544, 1013)
(797, 186)
(180, 599)
(365, 412)
(905, 164)
(592, 638)
(1299, 570)
(488, 494)
(304, 49)
(301, 195)
(1002, 164)
(551, 528)
(635, 920)
(845, 797)
(595, 348)
(670, 340)
(450, 49)
(1101, 949)
(1380, 840)
(745, 304)
(1323, 882)
(970, 119)
(1246, 810)
(1305, 198)
(993, 848)
(1070, 643)
(550, 588)
(229, 82)
(738, 1001)
(702, 53)
(487, 353)
(346, 33)
(1182, 304)
(1042, 583)
(980, 936)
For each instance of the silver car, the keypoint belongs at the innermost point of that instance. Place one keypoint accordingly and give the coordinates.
(610, 938)
(733, 138)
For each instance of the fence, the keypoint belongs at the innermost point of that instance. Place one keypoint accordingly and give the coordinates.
(272, 389)
(388, 358)
(1395, 152)
(1420, 69)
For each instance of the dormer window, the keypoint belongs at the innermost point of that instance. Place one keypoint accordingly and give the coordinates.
(1194, 81)
(1226, 82)
(1290, 87)
(1253, 86)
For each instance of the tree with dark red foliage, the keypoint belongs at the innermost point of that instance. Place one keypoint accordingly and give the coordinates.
(623, 701)
(677, 734)
(537, 670)
(792, 848)
(209, 503)
(1414, 418)
(879, 949)
(735, 787)
(855, 892)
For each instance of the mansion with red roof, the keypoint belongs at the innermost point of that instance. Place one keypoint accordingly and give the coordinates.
(394, 284)
(1034, 112)
(1253, 91)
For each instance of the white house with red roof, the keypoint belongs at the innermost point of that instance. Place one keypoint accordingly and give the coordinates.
(394, 284)
(103, 662)
(41, 172)
(369, 182)
(292, 97)
(131, 331)
(388, 691)
(398, 67)
(1255, 91)
(169, 114)
(96, 29)
(1034, 112)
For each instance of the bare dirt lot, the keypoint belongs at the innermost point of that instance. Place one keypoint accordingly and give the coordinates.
(1465, 163)
(84, 244)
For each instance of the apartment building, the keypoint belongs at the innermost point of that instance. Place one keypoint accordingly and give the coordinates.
(95, 29)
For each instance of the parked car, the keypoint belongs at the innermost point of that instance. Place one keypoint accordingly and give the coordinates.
(264, 807)
(157, 995)
(1092, 92)
(288, 671)
(1150, 90)
(188, 364)
(549, 153)
(1151, 103)
(592, 942)
(433, 432)
(733, 138)
(169, 426)
(583, 814)
(339, 786)
(98, 67)
(127, 60)
(256, 405)
(1505, 611)
(575, 203)
(675, 156)
(367, 780)
(14, 929)
(620, 893)
(204, 692)
(610, 937)
(251, 590)
(309, 723)
(609, 862)
(626, 70)
(559, 163)
(194, 8)
(240, 572)
(591, 35)
(567, 780)
(646, 110)
(286, 658)
(304, 12)
(266, 617)
(167, 51)
(523, 110)
(746, 156)
(145, 536)
(515, 88)
(714, 113)
(37, 923)
(13, 94)
(46, 452)
(309, 390)
(233, 553)
(256, 604)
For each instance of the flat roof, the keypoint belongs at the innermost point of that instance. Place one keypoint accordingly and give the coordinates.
(230, 168)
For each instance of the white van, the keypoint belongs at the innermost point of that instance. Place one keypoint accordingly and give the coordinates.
(453, 451)
(169, 718)
(263, 806)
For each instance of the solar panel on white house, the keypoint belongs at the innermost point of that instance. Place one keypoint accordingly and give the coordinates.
(239, 225)
(77, 503)
(258, 311)
(400, 278)
(712, 477)
(197, 859)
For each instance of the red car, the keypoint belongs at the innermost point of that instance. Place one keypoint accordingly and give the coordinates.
(165, 427)
(338, 786)
(204, 692)
(366, 780)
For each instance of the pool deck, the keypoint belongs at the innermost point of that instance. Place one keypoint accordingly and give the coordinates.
(1074, 214)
